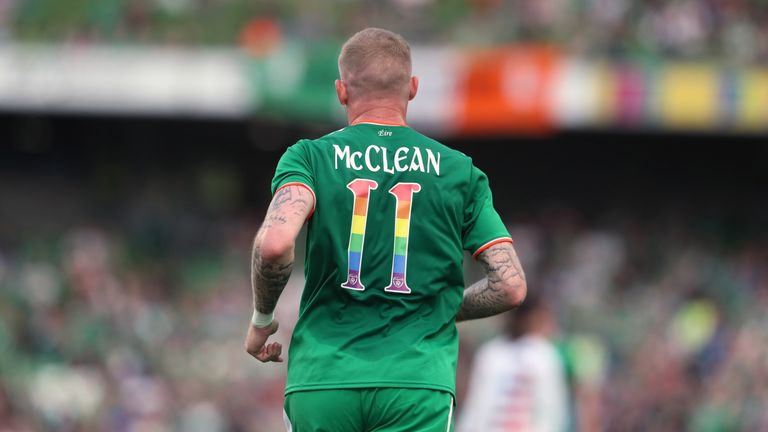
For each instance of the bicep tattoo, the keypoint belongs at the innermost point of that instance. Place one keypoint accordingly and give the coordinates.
(501, 263)
(289, 203)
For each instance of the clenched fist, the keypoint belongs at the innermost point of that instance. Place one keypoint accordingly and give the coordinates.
(255, 343)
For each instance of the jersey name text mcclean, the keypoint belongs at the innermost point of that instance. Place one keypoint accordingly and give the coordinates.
(377, 158)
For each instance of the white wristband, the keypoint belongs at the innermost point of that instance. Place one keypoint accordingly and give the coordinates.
(261, 320)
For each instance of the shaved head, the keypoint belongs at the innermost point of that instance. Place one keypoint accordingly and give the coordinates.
(376, 62)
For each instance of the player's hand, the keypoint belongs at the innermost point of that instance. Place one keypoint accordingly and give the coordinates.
(255, 343)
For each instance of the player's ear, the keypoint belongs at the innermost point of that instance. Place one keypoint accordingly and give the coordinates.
(413, 87)
(341, 92)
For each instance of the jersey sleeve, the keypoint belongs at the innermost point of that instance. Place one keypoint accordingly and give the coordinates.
(294, 168)
(482, 224)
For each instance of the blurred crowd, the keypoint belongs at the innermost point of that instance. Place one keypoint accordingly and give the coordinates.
(97, 338)
(734, 31)
(139, 326)
(662, 322)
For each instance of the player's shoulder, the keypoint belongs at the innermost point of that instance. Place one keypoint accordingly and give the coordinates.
(454, 161)
(442, 148)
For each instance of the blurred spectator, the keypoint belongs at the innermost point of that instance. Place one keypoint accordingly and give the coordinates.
(518, 381)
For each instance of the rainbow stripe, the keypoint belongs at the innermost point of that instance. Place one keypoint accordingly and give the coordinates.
(361, 188)
(403, 192)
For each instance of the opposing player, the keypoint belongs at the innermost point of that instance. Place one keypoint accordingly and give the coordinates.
(518, 379)
(389, 212)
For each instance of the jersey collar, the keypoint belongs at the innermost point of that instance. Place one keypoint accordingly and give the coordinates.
(376, 122)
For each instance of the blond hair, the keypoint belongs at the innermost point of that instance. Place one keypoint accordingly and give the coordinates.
(376, 61)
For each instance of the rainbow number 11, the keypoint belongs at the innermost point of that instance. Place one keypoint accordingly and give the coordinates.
(403, 193)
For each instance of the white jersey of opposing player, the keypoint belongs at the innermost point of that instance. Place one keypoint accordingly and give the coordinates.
(516, 385)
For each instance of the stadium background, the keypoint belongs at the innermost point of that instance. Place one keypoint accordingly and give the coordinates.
(625, 142)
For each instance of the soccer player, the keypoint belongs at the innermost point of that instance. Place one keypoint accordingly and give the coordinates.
(518, 379)
(389, 212)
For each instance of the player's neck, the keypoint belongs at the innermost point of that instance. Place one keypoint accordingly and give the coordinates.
(378, 114)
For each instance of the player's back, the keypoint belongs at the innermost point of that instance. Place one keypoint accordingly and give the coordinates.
(394, 210)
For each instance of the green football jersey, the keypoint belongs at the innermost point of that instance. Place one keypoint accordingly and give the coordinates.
(394, 211)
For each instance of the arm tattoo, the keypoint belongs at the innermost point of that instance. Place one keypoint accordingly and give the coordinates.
(268, 280)
(490, 296)
(288, 200)
(290, 205)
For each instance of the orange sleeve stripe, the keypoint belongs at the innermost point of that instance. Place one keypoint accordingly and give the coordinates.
(491, 243)
(314, 198)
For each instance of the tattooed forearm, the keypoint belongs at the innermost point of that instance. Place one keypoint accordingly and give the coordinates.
(502, 289)
(268, 280)
(482, 300)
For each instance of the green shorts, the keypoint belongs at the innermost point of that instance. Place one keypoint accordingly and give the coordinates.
(380, 409)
